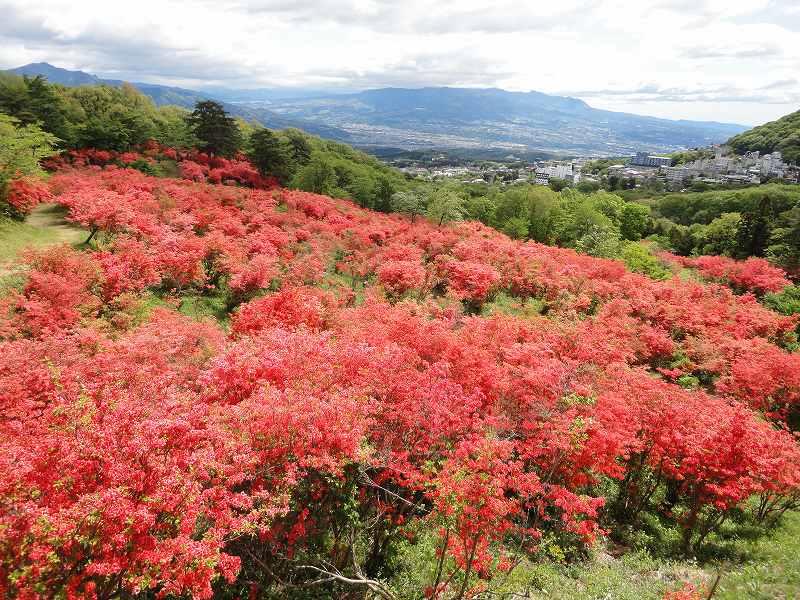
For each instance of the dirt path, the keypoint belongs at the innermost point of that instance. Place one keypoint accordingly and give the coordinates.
(44, 226)
(52, 217)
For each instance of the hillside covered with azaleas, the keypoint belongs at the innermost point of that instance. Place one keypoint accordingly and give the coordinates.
(364, 391)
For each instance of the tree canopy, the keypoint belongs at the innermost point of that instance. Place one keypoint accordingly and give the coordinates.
(215, 128)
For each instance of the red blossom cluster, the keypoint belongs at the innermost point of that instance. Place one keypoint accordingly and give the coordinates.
(201, 167)
(192, 164)
(687, 592)
(754, 275)
(751, 275)
(24, 194)
(145, 451)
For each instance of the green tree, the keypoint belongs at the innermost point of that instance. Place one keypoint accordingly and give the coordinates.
(21, 149)
(318, 176)
(719, 236)
(610, 205)
(407, 203)
(754, 229)
(633, 221)
(516, 227)
(173, 131)
(587, 187)
(578, 217)
(599, 239)
(786, 302)
(384, 189)
(784, 248)
(362, 189)
(300, 146)
(639, 260)
(48, 107)
(481, 208)
(14, 99)
(271, 154)
(513, 203)
(217, 131)
(112, 118)
(680, 240)
(546, 209)
(445, 204)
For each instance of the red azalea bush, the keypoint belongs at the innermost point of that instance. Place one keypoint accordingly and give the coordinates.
(146, 452)
(24, 194)
(471, 281)
(400, 276)
(751, 275)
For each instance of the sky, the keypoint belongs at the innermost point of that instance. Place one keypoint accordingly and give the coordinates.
(734, 61)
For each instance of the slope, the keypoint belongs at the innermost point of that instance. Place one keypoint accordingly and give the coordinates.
(782, 135)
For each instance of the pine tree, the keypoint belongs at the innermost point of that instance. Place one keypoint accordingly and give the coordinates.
(216, 130)
(271, 154)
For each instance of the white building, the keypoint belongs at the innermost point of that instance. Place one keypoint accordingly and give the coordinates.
(558, 170)
(772, 165)
(675, 175)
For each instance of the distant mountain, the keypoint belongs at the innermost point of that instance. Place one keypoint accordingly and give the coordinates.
(441, 117)
(782, 135)
(161, 94)
(56, 74)
(494, 118)
(265, 95)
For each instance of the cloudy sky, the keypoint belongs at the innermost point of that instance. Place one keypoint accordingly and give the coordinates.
(724, 60)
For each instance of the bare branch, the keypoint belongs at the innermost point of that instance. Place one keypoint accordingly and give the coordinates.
(375, 586)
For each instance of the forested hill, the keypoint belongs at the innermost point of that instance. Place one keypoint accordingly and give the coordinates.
(163, 95)
(782, 135)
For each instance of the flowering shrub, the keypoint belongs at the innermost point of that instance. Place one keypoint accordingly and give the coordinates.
(400, 276)
(146, 452)
(23, 195)
(470, 281)
(752, 275)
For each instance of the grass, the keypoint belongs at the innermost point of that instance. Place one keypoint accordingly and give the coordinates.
(765, 567)
(45, 226)
(202, 307)
(635, 576)
(770, 569)
(505, 304)
(752, 566)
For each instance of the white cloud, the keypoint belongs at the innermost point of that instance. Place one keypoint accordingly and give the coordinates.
(714, 59)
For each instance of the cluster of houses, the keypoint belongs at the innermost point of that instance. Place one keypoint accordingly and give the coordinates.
(716, 166)
(723, 167)
(475, 173)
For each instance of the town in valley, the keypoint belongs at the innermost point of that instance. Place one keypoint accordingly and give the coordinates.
(701, 168)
